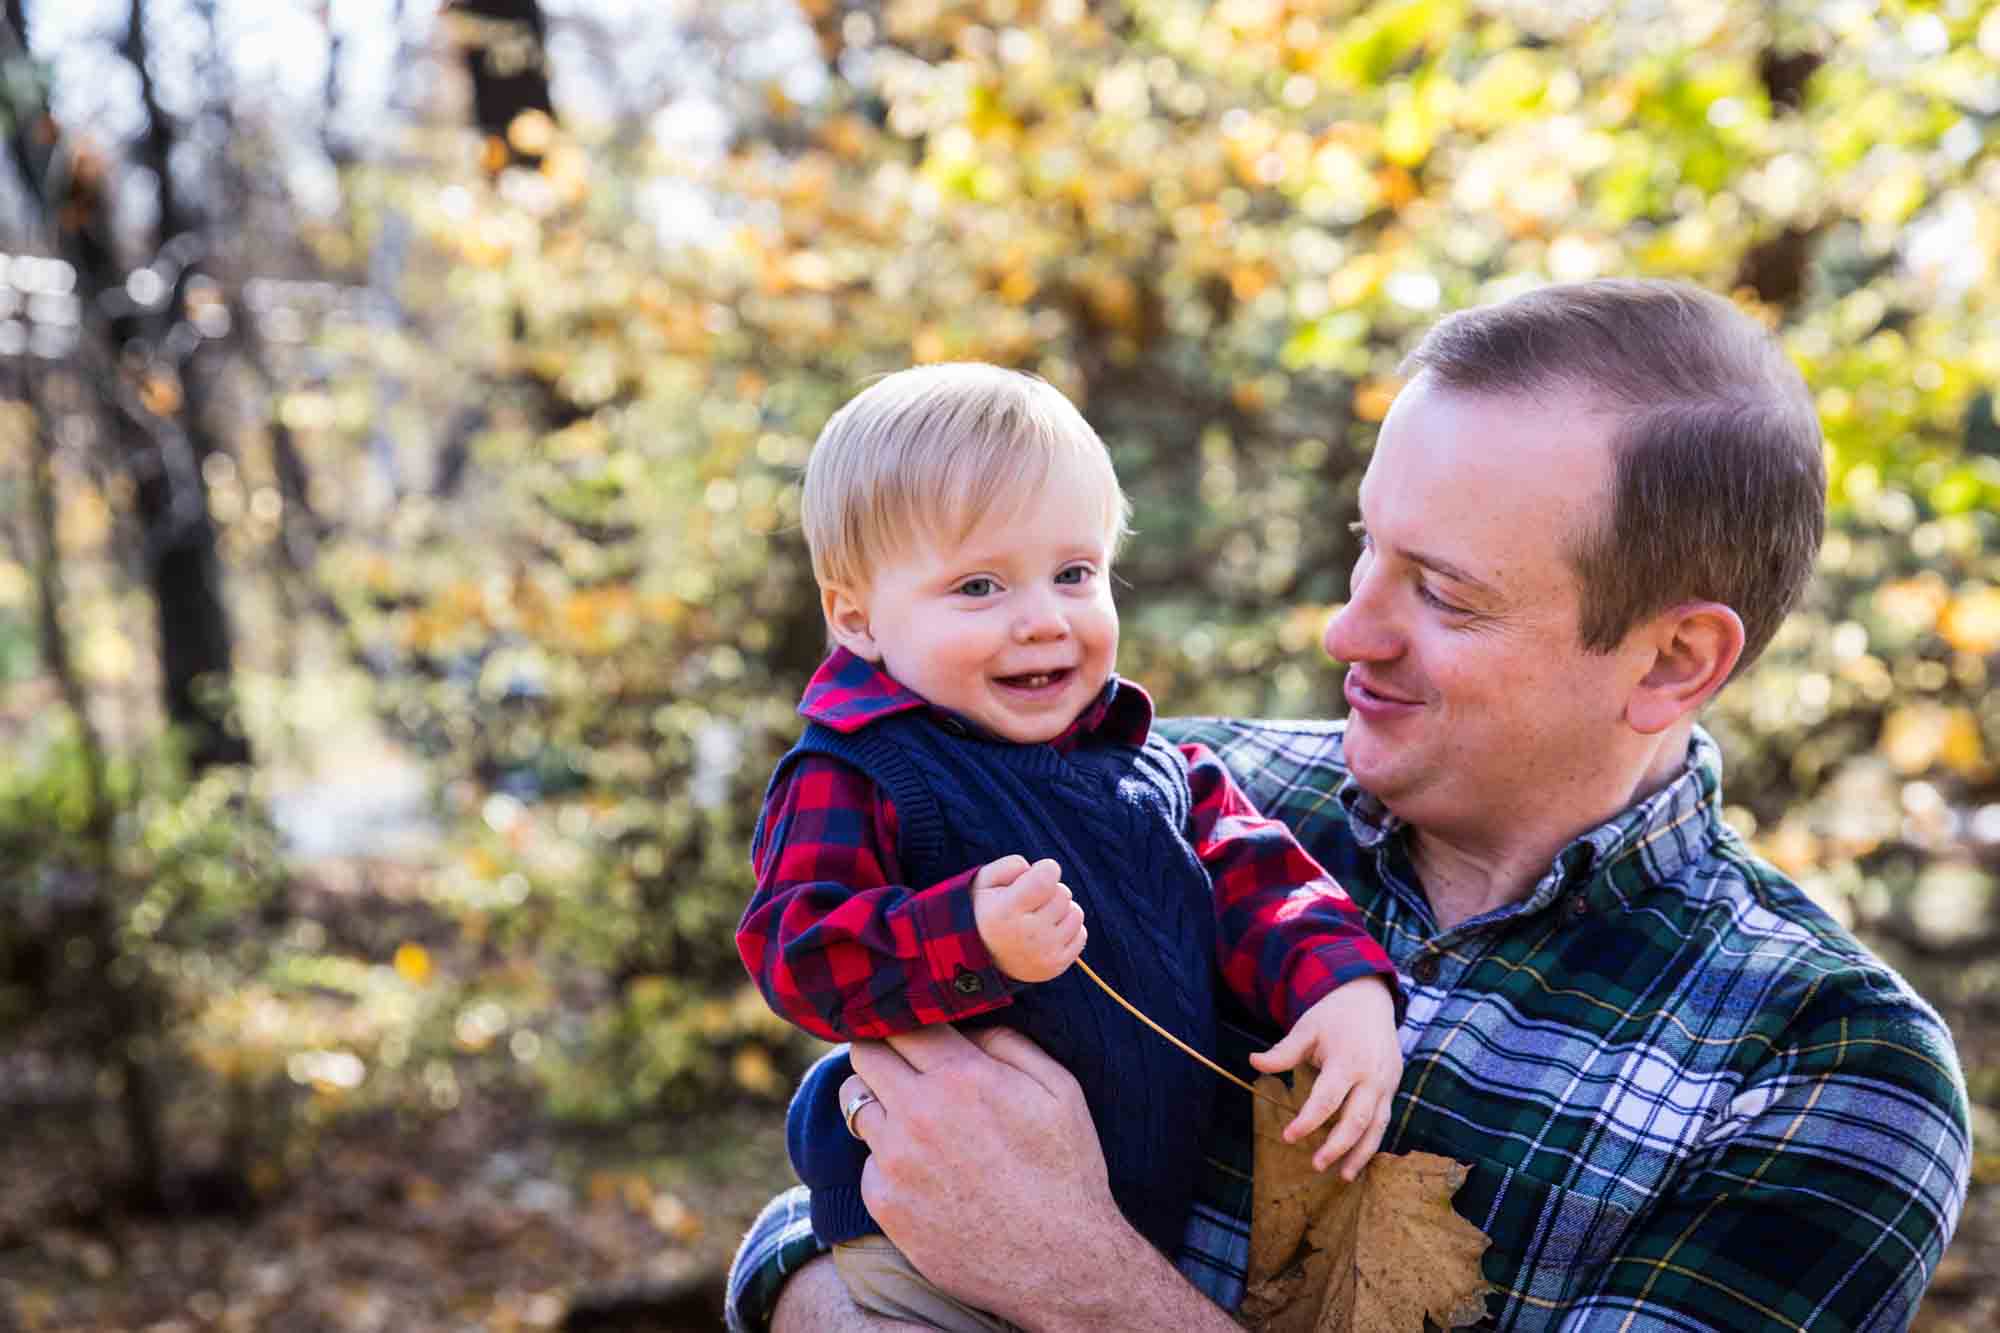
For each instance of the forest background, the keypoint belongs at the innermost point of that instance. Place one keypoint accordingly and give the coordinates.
(402, 600)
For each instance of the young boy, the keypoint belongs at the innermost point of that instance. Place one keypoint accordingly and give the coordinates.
(974, 782)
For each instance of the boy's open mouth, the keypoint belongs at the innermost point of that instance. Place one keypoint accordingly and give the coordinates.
(1035, 680)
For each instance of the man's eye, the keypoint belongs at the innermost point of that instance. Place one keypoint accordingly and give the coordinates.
(1424, 591)
(976, 587)
(1074, 574)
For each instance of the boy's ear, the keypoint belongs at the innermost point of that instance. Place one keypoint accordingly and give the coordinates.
(847, 620)
(1691, 649)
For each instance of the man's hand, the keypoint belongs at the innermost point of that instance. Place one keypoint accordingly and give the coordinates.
(984, 1169)
(1025, 915)
(1350, 1034)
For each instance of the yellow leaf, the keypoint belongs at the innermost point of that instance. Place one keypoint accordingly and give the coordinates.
(413, 963)
(674, 1218)
(1914, 603)
(531, 132)
(753, 1071)
(1964, 747)
(928, 346)
(1018, 287)
(1792, 847)
(1919, 735)
(1379, 1255)
(84, 519)
(1248, 281)
(1971, 621)
(847, 136)
(160, 392)
(1372, 398)
(811, 271)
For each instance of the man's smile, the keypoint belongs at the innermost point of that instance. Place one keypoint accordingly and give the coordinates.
(1368, 697)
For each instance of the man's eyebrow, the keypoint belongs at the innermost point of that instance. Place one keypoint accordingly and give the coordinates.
(1456, 573)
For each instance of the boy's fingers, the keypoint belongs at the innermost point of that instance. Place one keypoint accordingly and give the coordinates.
(1282, 1056)
(1036, 885)
(999, 874)
(1058, 908)
(1371, 1143)
(1329, 1091)
(1348, 1130)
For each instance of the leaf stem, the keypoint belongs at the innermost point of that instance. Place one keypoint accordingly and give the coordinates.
(1134, 1011)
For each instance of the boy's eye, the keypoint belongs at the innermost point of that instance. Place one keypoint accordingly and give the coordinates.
(977, 586)
(1074, 574)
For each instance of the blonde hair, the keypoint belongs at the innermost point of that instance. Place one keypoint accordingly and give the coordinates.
(928, 452)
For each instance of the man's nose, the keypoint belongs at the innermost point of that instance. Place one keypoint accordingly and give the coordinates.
(1362, 630)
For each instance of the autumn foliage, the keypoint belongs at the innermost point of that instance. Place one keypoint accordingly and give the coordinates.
(1218, 228)
(556, 424)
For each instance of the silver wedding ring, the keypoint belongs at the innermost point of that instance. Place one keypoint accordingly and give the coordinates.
(853, 1108)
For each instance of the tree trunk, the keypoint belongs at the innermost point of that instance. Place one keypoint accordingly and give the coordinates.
(126, 1014)
(504, 44)
(184, 569)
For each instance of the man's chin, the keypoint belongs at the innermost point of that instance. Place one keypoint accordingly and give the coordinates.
(1379, 767)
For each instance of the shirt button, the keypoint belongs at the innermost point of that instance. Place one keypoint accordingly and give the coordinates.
(1579, 905)
(1425, 969)
(967, 982)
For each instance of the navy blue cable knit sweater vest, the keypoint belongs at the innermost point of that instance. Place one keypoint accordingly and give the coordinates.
(1114, 817)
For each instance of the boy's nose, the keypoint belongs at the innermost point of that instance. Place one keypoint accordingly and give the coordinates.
(1040, 620)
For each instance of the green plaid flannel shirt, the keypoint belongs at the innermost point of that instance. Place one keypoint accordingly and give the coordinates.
(1689, 1099)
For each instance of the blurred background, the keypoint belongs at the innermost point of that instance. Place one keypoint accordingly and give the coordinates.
(402, 601)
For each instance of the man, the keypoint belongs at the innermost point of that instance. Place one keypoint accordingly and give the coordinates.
(1688, 1099)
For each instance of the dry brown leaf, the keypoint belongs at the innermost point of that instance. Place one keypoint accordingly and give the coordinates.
(1375, 1256)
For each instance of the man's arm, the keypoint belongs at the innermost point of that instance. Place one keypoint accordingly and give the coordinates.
(1824, 1198)
(985, 1170)
(780, 1244)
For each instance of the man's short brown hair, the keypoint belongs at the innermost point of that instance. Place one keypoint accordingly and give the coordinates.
(1718, 487)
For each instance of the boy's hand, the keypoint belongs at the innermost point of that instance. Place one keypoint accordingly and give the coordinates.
(1025, 915)
(1351, 1035)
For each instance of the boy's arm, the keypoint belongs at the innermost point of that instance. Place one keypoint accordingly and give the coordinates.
(836, 944)
(1286, 933)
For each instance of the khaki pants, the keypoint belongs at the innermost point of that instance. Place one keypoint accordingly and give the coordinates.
(883, 1282)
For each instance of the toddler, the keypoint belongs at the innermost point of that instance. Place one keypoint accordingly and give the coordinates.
(975, 784)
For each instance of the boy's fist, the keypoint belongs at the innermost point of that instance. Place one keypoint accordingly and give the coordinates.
(1025, 915)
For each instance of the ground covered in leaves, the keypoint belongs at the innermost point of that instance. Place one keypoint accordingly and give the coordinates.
(484, 1219)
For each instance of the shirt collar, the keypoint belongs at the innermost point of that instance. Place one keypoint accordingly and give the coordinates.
(848, 693)
(1670, 830)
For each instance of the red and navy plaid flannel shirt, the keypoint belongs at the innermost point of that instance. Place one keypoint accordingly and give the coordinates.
(841, 946)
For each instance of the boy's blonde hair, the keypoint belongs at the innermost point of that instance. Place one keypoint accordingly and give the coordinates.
(926, 453)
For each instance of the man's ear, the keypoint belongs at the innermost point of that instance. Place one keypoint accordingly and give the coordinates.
(1692, 649)
(847, 620)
